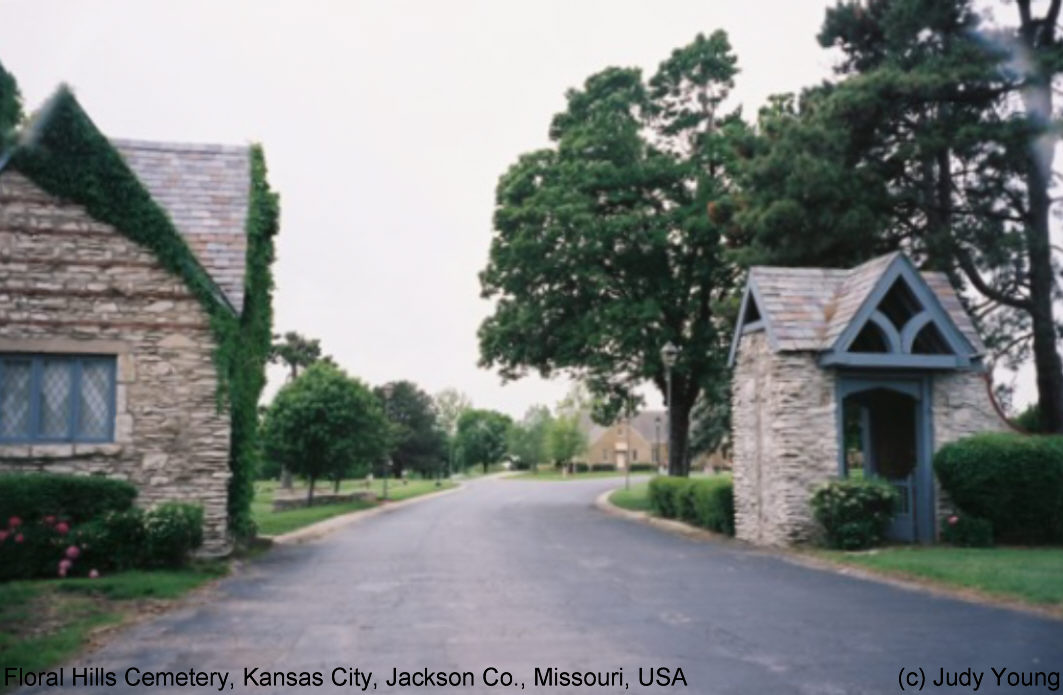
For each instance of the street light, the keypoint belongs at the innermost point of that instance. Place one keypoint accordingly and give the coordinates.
(669, 353)
(657, 442)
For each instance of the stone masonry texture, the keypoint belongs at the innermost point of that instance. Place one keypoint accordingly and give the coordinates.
(784, 420)
(70, 284)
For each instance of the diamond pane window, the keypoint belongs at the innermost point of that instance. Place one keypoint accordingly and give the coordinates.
(56, 398)
(94, 400)
(15, 379)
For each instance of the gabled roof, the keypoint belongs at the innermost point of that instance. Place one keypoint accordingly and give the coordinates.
(205, 190)
(809, 309)
(645, 423)
(201, 192)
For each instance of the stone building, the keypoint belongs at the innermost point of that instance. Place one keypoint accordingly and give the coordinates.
(107, 359)
(860, 372)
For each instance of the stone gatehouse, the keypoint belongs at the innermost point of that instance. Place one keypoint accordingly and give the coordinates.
(106, 357)
(860, 372)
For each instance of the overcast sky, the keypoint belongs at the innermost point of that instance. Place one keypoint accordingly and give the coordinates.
(385, 125)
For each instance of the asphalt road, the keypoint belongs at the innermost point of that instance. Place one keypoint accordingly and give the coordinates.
(517, 575)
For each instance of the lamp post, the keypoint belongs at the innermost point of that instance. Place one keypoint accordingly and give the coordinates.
(669, 353)
(627, 449)
(657, 442)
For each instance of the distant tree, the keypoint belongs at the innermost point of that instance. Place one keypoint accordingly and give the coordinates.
(325, 424)
(482, 436)
(566, 439)
(603, 251)
(296, 352)
(10, 107)
(417, 443)
(450, 404)
(528, 438)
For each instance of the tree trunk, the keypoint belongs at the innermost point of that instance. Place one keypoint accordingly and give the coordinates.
(1046, 355)
(1039, 36)
(336, 486)
(679, 431)
(310, 493)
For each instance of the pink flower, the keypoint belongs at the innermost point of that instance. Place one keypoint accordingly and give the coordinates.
(72, 552)
(93, 574)
(14, 522)
(49, 520)
(62, 527)
(62, 572)
(3, 536)
(953, 520)
(65, 565)
(19, 538)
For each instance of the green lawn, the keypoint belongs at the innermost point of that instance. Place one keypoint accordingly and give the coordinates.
(1034, 575)
(46, 621)
(272, 523)
(637, 499)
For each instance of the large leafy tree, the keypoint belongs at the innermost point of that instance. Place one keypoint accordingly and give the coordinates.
(603, 251)
(325, 424)
(417, 443)
(931, 142)
(482, 436)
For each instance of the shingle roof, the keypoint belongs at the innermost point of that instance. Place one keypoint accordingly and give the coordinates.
(205, 190)
(808, 308)
(645, 423)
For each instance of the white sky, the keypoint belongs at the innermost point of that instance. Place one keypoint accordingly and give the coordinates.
(385, 125)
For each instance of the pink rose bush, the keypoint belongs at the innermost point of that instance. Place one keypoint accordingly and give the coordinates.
(28, 548)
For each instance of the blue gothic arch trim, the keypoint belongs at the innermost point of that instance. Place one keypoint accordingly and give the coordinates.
(901, 338)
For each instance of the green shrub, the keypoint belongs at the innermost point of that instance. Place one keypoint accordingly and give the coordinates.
(705, 502)
(854, 513)
(116, 541)
(173, 531)
(662, 492)
(1013, 481)
(714, 504)
(967, 531)
(34, 496)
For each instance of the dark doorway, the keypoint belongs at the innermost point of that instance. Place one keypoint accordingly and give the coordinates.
(883, 433)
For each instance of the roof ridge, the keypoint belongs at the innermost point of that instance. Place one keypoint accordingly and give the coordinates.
(172, 146)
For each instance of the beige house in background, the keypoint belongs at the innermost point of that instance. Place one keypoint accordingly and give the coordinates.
(641, 441)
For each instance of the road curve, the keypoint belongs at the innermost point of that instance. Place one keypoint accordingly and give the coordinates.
(517, 575)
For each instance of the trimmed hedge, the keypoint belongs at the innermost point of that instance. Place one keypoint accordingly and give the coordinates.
(705, 502)
(854, 513)
(74, 498)
(1013, 481)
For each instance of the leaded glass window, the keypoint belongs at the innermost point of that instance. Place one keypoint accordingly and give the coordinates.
(56, 398)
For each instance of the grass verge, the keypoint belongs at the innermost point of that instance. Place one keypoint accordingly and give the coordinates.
(637, 499)
(1030, 575)
(271, 523)
(44, 622)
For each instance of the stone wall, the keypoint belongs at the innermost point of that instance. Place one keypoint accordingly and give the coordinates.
(785, 441)
(961, 407)
(69, 284)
